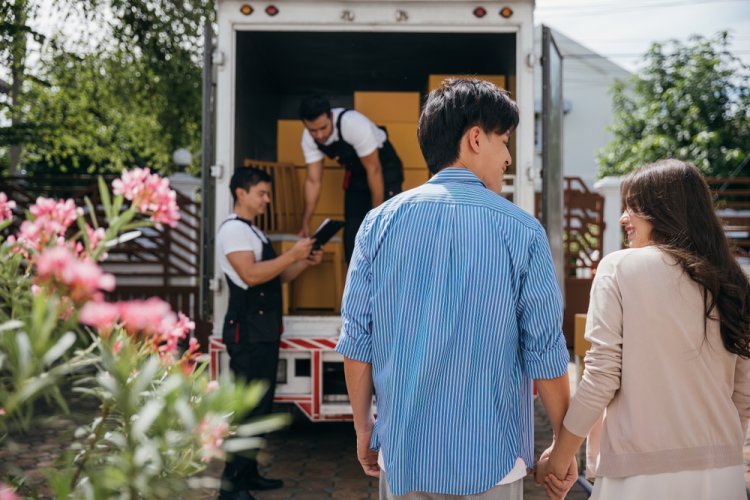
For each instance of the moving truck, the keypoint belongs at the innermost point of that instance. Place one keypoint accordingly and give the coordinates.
(381, 58)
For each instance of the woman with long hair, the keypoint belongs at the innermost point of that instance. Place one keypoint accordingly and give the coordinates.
(669, 326)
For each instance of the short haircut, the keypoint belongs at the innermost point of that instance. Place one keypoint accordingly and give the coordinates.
(314, 106)
(245, 178)
(454, 108)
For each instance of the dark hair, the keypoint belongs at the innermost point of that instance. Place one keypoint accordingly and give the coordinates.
(674, 197)
(314, 106)
(245, 178)
(454, 108)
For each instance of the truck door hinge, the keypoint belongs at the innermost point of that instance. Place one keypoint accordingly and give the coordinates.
(347, 15)
(217, 171)
(214, 284)
(217, 58)
(401, 16)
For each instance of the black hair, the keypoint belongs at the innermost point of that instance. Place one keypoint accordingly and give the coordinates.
(454, 108)
(245, 178)
(314, 106)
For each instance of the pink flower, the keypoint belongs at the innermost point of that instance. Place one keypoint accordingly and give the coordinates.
(145, 316)
(211, 433)
(150, 194)
(6, 207)
(82, 279)
(100, 315)
(7, 493)
(51, 220)
(117, 346)
(190, 358)
(2, 412)
(212, 386)
(96, 236)
(172, 331)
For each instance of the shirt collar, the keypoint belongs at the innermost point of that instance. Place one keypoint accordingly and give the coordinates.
(456, 174)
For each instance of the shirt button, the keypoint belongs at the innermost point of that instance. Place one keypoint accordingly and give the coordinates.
(260, 312)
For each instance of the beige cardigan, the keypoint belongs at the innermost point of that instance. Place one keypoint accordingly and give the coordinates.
(674, 400)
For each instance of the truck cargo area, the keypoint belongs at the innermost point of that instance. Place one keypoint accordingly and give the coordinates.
(275, 70)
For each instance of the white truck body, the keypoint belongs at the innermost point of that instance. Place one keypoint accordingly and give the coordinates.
(260, 48)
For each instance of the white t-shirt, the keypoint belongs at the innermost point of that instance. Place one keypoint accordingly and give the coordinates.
(236, 236)
(363, 135)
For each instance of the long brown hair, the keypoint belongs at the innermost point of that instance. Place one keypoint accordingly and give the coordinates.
(674, 197)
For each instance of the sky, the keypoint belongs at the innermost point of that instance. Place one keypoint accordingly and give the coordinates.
(623, 31)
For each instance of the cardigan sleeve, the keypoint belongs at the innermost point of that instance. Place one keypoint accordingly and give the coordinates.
(601, 378)
(741, 394)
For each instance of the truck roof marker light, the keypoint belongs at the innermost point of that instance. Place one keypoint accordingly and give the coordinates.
(271, 10)
(480, 12)
(246, 9)
(506, 12)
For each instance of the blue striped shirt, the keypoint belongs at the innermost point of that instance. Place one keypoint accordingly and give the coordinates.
(452, 297)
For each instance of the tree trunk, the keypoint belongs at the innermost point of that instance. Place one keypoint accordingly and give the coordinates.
(17, 66)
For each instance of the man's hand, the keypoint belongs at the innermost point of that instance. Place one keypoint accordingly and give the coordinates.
(315, 258)
(301, 250)
(368, 458)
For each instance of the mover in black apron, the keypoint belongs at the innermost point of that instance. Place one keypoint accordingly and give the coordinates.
(252, 325)
(373, 170)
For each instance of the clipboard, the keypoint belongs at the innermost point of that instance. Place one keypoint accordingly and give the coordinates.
(328, 228)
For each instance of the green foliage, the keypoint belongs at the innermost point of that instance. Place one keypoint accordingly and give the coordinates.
(94, 107)
(691, 102)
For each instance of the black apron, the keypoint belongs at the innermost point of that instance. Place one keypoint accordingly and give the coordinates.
(255, 313)
(355, 178)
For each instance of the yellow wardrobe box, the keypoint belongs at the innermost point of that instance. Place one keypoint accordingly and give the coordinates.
(403, 136)
(434, 81)
(384, 107)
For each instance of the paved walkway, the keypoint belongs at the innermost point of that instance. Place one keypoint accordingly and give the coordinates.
(316, 461)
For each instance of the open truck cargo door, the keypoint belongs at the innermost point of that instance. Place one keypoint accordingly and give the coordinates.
(552, 154)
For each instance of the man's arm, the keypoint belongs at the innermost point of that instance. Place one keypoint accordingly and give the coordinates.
(291, 272)
(254, 273)
(360, 388)
(374, 172)
(312, 193)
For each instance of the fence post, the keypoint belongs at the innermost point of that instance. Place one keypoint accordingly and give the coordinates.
(609, 188)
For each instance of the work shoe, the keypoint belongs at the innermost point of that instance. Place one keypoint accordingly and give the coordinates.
(263, 483)
(239, 495)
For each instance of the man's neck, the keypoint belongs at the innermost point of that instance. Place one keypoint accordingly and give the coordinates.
(244, 214)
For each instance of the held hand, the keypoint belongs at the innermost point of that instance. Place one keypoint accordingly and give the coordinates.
(368, 458)
(556, 487)
(541, 470)
(302, 249)
(315, 258)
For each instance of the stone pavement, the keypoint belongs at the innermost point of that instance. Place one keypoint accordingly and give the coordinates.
(316, 461)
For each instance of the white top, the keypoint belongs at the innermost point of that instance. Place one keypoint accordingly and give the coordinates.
(236, 236)
(364, 136)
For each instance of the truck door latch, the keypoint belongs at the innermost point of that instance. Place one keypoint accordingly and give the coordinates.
(347, 15)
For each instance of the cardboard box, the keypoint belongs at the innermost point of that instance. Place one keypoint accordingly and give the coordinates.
(383, 107)
(434, 81)
(403, 136)
(331, 199)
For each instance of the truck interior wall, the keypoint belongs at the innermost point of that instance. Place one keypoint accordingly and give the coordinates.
(276, 70)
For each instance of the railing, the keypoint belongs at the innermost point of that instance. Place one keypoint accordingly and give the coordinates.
(732, 200)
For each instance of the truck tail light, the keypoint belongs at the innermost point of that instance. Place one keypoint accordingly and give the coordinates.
(506, 12)
(480, 12)
(271, 10)
(246, 9)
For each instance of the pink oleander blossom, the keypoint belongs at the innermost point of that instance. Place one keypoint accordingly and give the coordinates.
(150, 194)
(6, 207)
(83, 279)
(190, 358)
(211, 432)
(96, 236)
(7, 493)
(172, 332)
(51, 219)
(145, 316)
(212, 386)
(101, 315)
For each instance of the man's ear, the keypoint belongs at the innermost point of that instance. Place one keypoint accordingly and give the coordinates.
(472, 136)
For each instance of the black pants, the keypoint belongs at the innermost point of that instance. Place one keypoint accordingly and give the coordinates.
(250, 361)
(356, 206)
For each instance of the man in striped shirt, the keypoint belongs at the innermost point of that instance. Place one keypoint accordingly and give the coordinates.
(451, 309)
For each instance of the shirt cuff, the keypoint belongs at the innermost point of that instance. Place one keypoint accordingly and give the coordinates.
(358, 348)
(551, 363)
